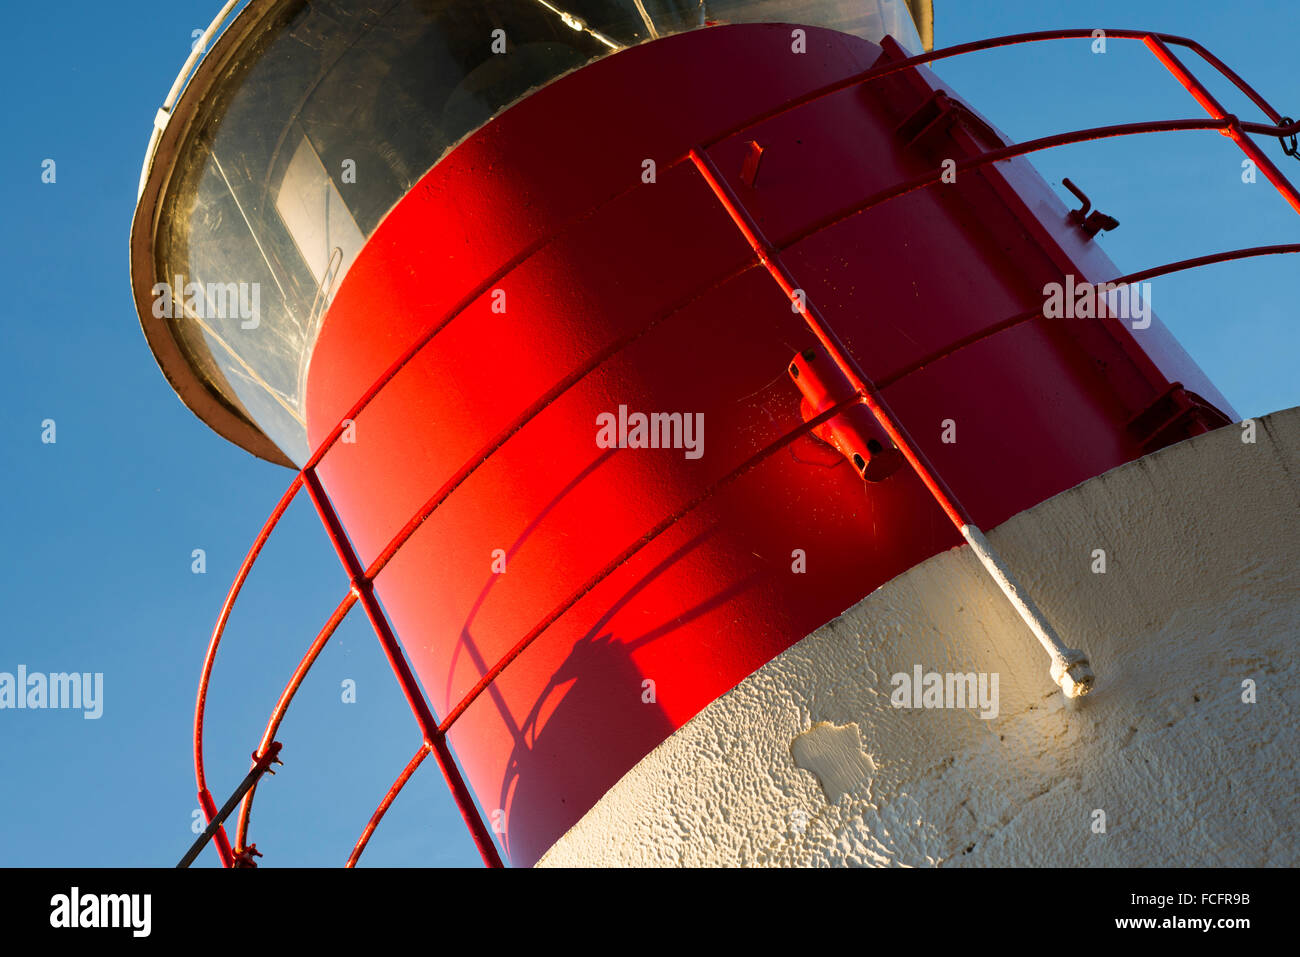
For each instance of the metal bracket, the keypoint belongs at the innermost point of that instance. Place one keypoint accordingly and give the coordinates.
(243, 857)
(1090, 224)
(753, 157)
(937, 114)
(855, 431)
(1171, 415)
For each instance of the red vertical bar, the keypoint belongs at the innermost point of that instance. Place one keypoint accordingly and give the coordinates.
(835, 349)
(364, 590)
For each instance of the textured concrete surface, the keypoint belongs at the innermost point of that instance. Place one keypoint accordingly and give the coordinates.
(807, 762)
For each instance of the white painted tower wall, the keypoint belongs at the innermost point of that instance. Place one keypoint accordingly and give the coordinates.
(1167, 762)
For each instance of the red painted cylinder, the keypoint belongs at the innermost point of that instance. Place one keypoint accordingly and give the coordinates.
(579, 272)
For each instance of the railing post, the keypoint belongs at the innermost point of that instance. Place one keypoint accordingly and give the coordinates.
(435, 738)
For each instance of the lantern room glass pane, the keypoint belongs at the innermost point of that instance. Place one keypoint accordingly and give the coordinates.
(330, 113)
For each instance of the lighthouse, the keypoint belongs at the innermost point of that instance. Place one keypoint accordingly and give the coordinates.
(723, 425)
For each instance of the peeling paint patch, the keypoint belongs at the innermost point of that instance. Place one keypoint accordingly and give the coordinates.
(833, 753)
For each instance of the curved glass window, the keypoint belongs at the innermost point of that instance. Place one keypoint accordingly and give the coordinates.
(264, 215)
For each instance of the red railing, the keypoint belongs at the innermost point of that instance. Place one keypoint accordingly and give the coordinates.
(434, 733)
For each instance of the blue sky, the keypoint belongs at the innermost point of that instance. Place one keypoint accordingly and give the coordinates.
(100, 526)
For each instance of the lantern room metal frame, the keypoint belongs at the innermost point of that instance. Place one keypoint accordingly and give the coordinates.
(433, 731)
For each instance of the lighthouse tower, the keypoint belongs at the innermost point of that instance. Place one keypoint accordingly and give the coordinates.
(754, 459)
